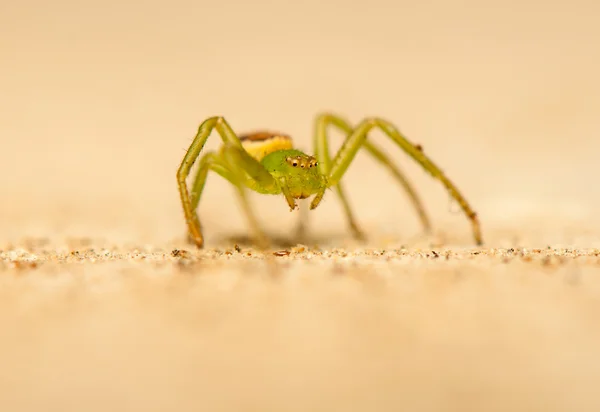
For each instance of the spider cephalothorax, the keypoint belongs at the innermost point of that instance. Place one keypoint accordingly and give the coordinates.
(266, 162)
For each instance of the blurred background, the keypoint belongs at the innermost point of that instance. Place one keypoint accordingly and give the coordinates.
(98, 104)
(99, 101)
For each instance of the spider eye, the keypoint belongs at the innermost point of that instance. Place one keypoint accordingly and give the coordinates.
(294, 163)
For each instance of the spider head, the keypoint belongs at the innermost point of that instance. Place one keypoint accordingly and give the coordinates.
(299, 171)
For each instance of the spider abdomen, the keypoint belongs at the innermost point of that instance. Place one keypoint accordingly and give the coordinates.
(259, 144)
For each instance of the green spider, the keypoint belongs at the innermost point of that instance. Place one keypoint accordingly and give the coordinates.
(267, 163)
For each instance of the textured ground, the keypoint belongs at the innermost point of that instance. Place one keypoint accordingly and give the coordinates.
(350, 329)
(103, 305)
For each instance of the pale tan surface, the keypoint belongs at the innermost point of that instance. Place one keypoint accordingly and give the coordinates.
(97, 105)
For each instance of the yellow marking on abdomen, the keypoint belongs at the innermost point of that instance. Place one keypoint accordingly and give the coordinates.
(260, 144)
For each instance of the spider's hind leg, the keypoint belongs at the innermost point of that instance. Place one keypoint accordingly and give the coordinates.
(260, 238)
(357, 232)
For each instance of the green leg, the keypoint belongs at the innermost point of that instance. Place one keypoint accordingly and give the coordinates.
(248, 171)
(357, 138)
(211, 161)
(322, 146)
(402, 180)
(356, 230)
(322, 154)
(228, 136)
(302, 222)
(259, 236)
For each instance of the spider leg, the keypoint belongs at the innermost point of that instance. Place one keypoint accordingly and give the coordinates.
(211, 161)
(322, 154)
(301, 226)
(249, 171)
(259, 235)
(322, 146)
(378, 154)
(357, 138)
(204, 130)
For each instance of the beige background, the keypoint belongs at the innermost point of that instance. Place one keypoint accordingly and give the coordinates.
(98, 102)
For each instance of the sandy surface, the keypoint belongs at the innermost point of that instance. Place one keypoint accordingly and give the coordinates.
(104, 306)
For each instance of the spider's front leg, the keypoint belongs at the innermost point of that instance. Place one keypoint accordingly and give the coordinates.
(321, 142)
(210, 161)
(247, 172)
(357, 138)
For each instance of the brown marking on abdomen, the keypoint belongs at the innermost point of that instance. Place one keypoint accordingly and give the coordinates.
(260, 136)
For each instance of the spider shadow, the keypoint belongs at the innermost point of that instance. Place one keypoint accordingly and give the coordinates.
(277, 241)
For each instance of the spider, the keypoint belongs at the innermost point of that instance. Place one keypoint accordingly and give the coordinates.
(267, 163)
